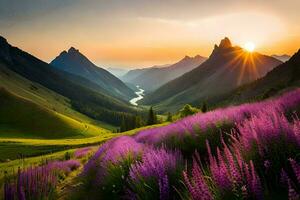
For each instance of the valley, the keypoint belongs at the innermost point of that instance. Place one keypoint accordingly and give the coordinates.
(149, 100)
(69, 129)
(140, 96)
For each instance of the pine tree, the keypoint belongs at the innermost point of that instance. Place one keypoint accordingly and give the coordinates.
(204, 107)
(151, 117)
(123, 124)
(169, 118)
(138, 122)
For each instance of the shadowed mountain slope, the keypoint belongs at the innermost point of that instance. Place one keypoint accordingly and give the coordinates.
(74, 62)
(284, 77)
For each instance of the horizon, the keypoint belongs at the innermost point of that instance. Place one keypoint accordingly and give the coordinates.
(143, 34)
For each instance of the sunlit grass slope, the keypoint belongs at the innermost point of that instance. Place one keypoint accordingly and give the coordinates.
(21, 118)
(42, 96)
(15, 148)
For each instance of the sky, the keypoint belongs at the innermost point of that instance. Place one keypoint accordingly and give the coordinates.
(142, 33)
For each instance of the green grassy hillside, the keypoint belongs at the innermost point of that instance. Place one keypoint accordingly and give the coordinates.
(42, 96)
(15, 148)
(19, 117)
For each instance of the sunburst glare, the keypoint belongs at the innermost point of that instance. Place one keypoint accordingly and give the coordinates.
(249, 46)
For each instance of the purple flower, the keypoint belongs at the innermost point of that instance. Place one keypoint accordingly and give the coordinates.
(229, 172)
(293, 195)
(79, 153)
(255, 184)
(196, 185)
(38, 182)
(264, 130)
(296, 169)
(283, 177)
(155, 163)
(267, 164)
(164, 190)
(154, 171)
(111, 153)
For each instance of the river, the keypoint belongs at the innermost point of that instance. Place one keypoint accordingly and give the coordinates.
(140, 95)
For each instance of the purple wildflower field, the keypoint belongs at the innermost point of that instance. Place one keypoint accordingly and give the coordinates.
(38, 182)
(250, 151)
(240, 152)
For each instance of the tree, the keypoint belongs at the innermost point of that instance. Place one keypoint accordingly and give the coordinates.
(188, 110)
(169, 118)
(123, 125)
(204, 107)
(138, 122)
(151, 117)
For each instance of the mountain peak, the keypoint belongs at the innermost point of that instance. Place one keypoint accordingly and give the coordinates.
(73, 50)
(223, 47)
(198, 57)
(3, 40)
(63, 53)
(225, 43)
(4, 49)
(186, 58)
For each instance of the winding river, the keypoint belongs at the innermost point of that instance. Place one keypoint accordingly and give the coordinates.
(140, 95)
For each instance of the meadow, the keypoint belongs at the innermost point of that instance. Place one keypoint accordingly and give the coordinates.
(22, 153)
(250, 151)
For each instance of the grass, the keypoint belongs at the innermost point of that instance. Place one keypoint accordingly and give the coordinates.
(25, 119)
(17, 148)
(11, 149)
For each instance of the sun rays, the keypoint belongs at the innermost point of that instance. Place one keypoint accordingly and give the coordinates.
(245, 63)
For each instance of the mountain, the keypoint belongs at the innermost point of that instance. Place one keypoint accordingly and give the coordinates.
(118, 72)
(72, 61)
(96, 105)
(155, 77)
(226, 68)
(283, 57)
(132, 74)
(284, 77)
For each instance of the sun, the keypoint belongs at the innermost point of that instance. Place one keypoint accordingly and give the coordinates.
(249, 46)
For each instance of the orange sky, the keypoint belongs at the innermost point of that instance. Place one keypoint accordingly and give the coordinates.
(143, 33)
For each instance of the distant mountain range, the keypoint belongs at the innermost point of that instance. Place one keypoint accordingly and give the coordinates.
(134, 73)
(154, 77)
(74, 62)
(283, 57)
(48, 86)
(118, 72)
(227, 68)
